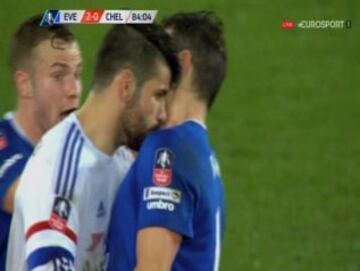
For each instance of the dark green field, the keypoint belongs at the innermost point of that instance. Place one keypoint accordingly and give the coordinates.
(286, 126)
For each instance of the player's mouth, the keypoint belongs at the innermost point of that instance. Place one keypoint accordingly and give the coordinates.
(67, 112)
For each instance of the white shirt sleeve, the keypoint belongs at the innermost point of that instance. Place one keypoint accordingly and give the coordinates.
(45, 223)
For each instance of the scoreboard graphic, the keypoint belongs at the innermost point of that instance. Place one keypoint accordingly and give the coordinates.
(97, 16)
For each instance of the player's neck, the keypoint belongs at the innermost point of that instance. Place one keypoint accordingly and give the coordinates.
(186, 107)
(100, 123)
(28, 124)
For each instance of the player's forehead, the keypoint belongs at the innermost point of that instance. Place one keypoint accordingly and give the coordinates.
(49, 52)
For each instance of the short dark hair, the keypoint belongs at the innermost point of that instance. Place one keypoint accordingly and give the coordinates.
(30, 34)
(201, 33)
(138, 47)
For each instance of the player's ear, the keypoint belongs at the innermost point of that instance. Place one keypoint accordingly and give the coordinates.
(23, 84)
(185, 59)
(125, 84)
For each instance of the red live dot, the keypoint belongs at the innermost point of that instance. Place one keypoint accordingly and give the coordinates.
(288, 24)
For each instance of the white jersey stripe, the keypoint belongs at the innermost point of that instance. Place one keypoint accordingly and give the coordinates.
(77, 158)
(70, 164)
(217, 240)
(64, 152)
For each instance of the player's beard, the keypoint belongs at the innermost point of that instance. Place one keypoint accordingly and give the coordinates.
(135, 125)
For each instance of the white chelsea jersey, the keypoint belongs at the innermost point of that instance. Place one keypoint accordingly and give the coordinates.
(63, 202)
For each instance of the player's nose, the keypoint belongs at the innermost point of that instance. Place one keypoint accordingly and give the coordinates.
(73, 88)
(162, 114)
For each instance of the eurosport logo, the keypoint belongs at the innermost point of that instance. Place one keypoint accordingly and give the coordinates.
(316, 24)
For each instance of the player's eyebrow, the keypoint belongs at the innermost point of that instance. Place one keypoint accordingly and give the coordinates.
(59, 64)
(65, 66)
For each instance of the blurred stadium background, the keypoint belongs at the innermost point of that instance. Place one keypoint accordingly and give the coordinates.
(285, 126)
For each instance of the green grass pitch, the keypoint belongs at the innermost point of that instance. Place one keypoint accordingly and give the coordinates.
(286, 126)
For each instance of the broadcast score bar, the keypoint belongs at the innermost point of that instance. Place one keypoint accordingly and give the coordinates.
(98, 16)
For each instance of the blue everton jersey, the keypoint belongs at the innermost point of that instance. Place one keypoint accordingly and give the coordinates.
(175, 183)
(15, 150)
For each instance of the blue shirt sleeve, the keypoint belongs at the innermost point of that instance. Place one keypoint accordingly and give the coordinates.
(60, 258)
(12, 164)
(167, 196)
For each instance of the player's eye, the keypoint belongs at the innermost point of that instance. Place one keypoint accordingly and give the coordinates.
(78, 75)
(58, 76)
(161, 94)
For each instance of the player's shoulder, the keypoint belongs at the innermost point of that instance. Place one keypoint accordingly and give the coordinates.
(164, 138)
(57, 155)
(186, 141)
(4, 123)
(178, 136)
(62, 128)
(63, 137)
(9, 126)
(11, 141)
(6, 129)
(7, 133)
